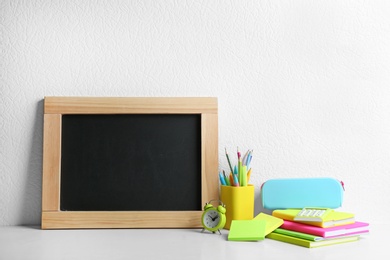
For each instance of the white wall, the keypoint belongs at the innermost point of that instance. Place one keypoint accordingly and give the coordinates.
(303, 83)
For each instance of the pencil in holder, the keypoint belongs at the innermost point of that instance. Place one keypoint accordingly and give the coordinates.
(239, 202)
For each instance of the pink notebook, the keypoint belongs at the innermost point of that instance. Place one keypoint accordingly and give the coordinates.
(349, 229)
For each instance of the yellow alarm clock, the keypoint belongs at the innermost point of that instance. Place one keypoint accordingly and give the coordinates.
(214, 218)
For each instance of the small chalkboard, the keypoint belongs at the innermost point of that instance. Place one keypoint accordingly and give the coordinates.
(128, 162)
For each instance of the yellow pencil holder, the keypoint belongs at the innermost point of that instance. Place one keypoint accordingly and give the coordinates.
(239, 203)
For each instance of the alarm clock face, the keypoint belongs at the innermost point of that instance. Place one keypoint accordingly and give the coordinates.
(211, 218)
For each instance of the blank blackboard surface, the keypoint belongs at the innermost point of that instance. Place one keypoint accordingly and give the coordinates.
(129, 162)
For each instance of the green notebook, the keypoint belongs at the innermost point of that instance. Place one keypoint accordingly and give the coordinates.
(247, 230)
(311, 244)
(298, 234)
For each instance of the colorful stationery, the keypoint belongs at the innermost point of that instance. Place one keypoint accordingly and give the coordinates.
(227, 180)
(247, 230)
(239, 163)
(245, 158)
(249, 158)
(236, 182)
(334, 218)
(230, 165)
(272, 222)
(248, 175)
(239, 173)
(308, 243)
(297, 193)
(349, 229)
(222, 179)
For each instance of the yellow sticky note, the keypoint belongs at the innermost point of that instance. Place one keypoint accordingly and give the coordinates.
(272, 222)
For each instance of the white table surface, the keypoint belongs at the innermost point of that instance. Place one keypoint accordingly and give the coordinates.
(30, 242)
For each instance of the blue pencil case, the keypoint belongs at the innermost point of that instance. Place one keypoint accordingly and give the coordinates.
(302, 192)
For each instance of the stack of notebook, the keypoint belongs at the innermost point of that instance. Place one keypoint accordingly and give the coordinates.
(334, 228)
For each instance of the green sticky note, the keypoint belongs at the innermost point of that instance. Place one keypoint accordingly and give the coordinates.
(247, 230)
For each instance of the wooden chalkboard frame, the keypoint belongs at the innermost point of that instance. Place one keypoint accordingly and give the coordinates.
(55, 107)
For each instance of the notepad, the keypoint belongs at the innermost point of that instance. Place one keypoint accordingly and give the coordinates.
(247, 230)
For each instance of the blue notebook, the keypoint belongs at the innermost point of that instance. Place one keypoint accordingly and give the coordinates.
(302, 192)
